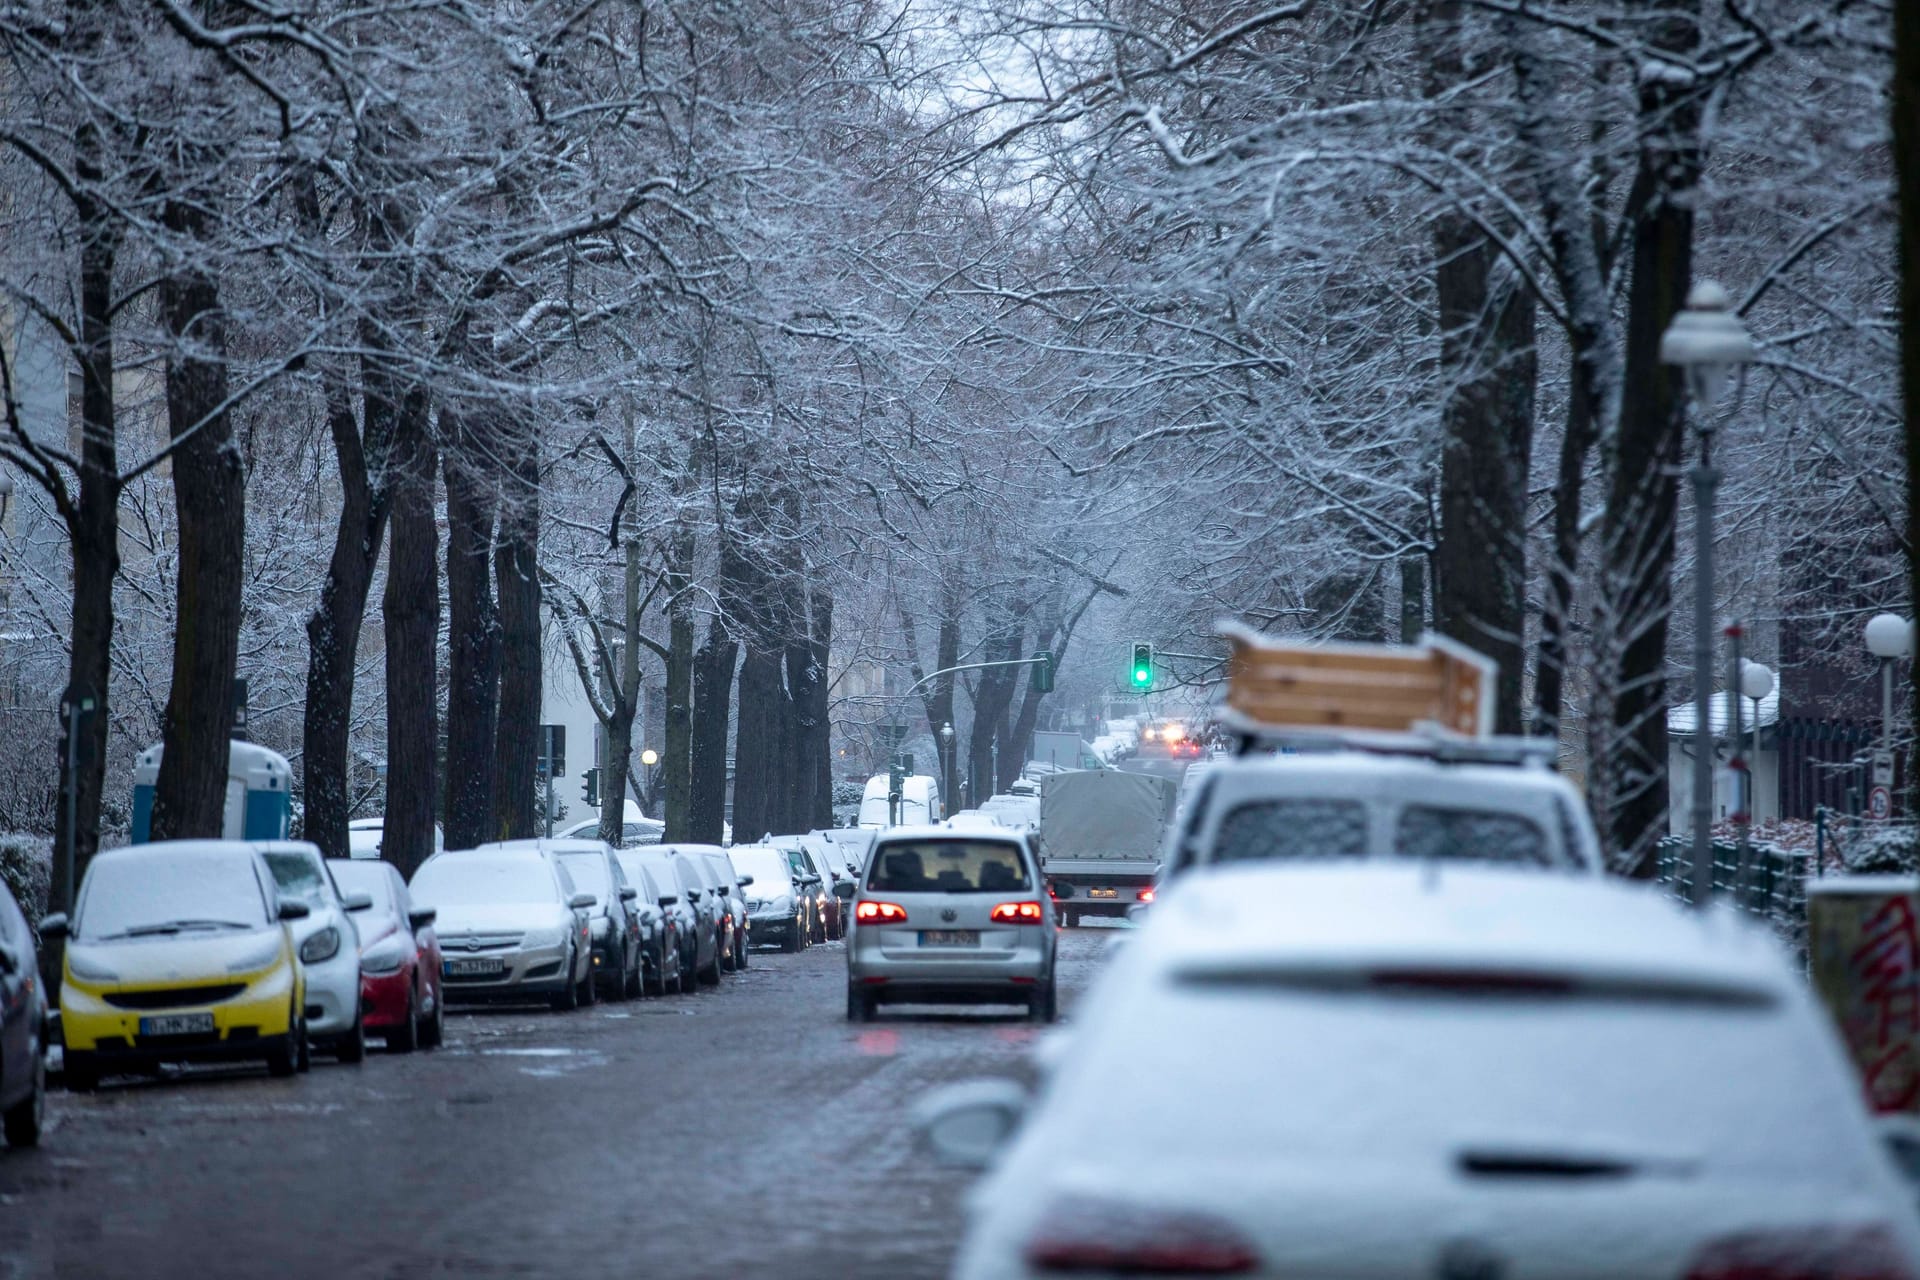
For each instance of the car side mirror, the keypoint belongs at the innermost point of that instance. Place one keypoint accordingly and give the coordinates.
(965, 1125)
(810, 881)
(357, 902)
(421, 917)
(628, 893)
(668, 899)
(693, 895)
(843, 890)
(53, 926)
(8, 961)
(293, 909)
(582, 902)
(745, 881)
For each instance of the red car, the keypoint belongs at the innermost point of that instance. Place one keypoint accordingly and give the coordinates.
(399, 957)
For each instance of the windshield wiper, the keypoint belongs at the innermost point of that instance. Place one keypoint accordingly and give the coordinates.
(173, 926)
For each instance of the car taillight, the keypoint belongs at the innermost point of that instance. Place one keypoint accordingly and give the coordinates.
(871, 912)
(1804, 1253)
(1017, 913)
(1137, 1240)
(1146, 895)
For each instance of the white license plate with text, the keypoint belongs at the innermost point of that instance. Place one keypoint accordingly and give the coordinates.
(176, 1024)
(949, 937)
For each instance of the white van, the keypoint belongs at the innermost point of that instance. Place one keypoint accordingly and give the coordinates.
(919, 802)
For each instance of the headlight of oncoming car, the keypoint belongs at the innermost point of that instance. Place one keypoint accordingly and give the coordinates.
(384, 956)
(263, 954)
(323, 945)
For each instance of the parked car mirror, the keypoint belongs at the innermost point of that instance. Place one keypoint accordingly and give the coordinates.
(693, 895)
(8, 961)
(357, 902)
(810, 881)
(964, 1125)
(293, 909)
(668, 899)
(582, 902)
(628, 893)
(745, 881)
(421, 917)
(843, 889)
(54, 926)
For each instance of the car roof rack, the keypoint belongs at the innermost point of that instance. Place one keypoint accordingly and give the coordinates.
(1433, 700)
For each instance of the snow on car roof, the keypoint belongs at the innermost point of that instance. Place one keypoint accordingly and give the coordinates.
(1332, 918)
(941, 831)
(1364, 768)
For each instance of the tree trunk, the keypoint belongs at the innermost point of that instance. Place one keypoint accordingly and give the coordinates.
(209, 487)
(412, 609)
(619, 759)
(473, 671)
(938, 695)
(1637, 544)
(707, 759)
(1906, 163)
(677, 750)
(814, 764)
(93, 528)
(516, 568)
(1563, 568)
(333, 628)
(991, 696)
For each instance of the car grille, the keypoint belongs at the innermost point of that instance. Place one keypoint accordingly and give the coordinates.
(175, 997)
(463, 943)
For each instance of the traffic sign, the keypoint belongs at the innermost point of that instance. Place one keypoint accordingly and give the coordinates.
(1880, 802)
(1883, 768)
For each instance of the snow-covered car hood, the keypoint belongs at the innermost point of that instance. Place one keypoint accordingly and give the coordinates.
(178, 958)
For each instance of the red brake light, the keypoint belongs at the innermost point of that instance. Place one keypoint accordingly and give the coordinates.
(871, 912)
(1136, 1240)
(1806, 1253)
(1017, 913)
(1146, 895)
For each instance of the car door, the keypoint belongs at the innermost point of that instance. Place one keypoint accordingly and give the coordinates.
(629, 916)
(706, 909)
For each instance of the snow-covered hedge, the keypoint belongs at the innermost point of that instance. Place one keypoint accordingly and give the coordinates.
(26, 867)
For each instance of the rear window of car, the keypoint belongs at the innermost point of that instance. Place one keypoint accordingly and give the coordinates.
(948, 866)
(1301, 827)
(1475, 835)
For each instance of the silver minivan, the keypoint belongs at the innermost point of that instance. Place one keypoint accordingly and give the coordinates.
(945, 915)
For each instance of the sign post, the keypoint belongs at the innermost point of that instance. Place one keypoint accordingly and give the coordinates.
(75, 713)
(552, 763)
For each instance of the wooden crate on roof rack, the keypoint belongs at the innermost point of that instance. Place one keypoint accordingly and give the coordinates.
(1437, 683)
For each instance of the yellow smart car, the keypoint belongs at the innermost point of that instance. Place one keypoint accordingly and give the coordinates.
(179, 951)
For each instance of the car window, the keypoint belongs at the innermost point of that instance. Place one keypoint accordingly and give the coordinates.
(641, 879)
(772, 870)
(1296, 827)
(161, 893)
(1479, 835)
(468, 879)
(948, 866)
(299, 876)
(375, 879)
(589, 871)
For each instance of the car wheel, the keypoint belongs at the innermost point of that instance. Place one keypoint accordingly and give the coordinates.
(405, 1038)
(79, 1073)
(1044, 1006)
(742, 948)
(589, 990)
(793, 939)
(861, 1005)
(303, 1052)
(710, 976)
(636, 982)
(434, 1034)
(284, 1058)
(352, 1047)
(1071, 919)
(23, 1120)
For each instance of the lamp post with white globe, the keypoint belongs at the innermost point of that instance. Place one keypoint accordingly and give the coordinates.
(1890, 639)
(1707, 342)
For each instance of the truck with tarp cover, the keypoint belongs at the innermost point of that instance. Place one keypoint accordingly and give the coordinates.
(1100, 837)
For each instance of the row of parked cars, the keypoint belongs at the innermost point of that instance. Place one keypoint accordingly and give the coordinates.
(226, 950)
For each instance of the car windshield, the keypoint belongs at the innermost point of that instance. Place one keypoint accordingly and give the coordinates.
(948, 866)
(1432, 1078)
(370, 878)
(769, 868)
(590, 875)
(161, 893)
(466, 879)
(300, 876)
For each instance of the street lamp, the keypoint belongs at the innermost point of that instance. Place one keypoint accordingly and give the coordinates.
(946, 765)
(1890, 639)
(1707, 342)
(648, 758)
(1756, 681)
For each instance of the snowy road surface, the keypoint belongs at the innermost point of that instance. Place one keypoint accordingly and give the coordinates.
(745, 1131)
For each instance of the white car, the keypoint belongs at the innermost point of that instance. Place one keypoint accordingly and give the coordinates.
(328, 943)
(363, 837)
(512, 925)
(1392, 1071)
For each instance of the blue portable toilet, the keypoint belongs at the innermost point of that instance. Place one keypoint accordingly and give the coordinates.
(259, 793)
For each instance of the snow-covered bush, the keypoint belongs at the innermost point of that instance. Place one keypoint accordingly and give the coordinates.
(26, 867)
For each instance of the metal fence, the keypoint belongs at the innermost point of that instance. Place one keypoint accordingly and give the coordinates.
(1771, 885)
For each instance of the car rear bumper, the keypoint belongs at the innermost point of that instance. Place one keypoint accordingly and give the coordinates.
(1023, 966)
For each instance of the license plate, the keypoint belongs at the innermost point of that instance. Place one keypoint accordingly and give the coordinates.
(474, 968)
(1103, 893)
(176, 1024)
(949, 937)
